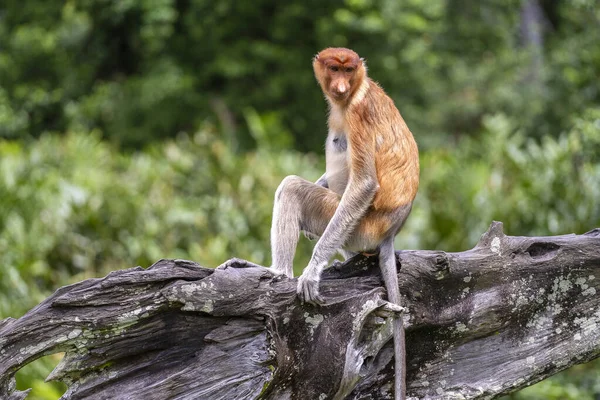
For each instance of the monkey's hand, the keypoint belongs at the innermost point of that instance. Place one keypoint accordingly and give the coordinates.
(308, 285)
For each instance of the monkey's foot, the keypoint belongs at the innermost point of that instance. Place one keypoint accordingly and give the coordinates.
(238, 263)
(394, 308)
(281, 272)
(308, 291)
(391, 310)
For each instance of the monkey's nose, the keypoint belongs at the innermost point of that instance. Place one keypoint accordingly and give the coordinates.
(341, 88)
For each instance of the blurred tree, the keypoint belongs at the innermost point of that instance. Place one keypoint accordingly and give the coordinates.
(145, 70)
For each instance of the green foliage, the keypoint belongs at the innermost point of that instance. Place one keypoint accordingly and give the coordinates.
(32, 377)
(577, 383)
(536, 187)
(80, 65)
(72, 207)
(218, 93)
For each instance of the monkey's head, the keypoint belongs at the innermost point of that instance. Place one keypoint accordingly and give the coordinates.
(339, 72)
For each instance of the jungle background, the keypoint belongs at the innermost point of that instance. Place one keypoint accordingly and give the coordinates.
(135, 130)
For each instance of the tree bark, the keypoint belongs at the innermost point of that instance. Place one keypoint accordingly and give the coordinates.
(480, 323)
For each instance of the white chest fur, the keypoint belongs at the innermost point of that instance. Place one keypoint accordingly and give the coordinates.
(336, 158)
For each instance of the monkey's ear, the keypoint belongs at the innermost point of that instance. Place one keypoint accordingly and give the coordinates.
(317, 57)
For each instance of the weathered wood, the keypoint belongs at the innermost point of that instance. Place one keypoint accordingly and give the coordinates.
(484, 322)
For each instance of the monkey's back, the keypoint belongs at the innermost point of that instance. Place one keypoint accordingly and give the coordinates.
(396, 152)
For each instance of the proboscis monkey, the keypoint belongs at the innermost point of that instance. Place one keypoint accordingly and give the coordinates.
(366, 193)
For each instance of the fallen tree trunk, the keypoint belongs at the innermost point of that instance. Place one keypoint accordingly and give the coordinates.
(481, 323)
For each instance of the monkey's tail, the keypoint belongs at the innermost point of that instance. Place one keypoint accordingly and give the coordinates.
(400, 358)
(387, 263)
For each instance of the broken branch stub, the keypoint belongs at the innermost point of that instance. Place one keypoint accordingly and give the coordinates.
(479, 323)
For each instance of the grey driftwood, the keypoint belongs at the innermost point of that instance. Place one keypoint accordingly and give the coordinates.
(480, 323)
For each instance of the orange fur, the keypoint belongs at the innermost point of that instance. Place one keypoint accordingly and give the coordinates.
(379, 141)
(396, 153)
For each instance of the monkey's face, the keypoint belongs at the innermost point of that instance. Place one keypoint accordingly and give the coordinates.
(341, 80)
(338, 72)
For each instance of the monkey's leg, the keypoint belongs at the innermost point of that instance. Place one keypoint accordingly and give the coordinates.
(322, 181)
(387, 263)
(299, 205)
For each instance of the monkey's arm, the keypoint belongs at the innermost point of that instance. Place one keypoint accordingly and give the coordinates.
(355, 201)
(353, 205)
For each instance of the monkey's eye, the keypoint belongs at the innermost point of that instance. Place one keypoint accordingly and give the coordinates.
(349, 69)
(334, 68)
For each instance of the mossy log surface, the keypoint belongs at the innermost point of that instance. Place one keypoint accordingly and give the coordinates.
(480, 323)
